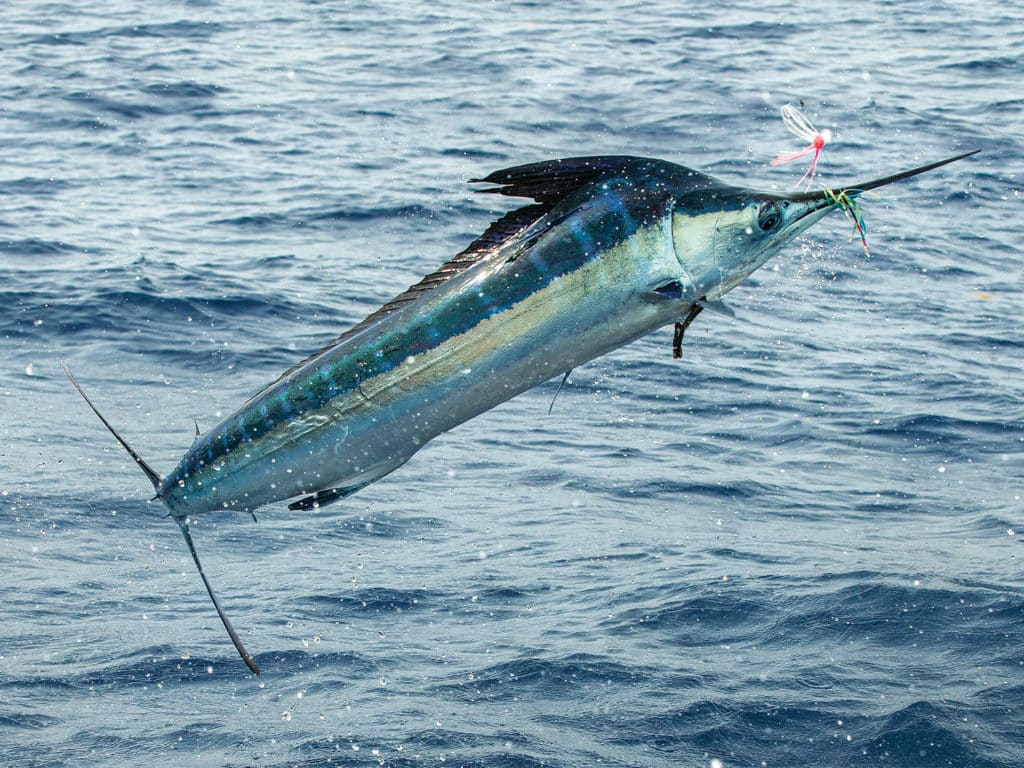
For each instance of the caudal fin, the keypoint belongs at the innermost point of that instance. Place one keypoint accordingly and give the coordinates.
(182, 521)
(249, 661)
(154, 478)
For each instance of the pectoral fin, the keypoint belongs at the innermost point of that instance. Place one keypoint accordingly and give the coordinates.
(677, 337)
(695, 309)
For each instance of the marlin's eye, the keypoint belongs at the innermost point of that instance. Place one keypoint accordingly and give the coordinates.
(768, 216)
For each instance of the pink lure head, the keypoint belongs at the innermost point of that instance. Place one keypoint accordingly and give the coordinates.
(798, 124)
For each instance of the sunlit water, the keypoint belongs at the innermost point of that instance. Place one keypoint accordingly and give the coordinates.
(798, 546)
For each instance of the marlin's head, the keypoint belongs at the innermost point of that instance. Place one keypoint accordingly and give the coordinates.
(722, 234)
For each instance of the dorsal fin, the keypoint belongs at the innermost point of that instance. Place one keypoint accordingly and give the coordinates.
(551, 180)
(546, 182)
(496, 235)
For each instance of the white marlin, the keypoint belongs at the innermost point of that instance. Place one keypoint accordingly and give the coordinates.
(611, 249)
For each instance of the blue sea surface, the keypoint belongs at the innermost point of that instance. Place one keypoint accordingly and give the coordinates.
(800, 545)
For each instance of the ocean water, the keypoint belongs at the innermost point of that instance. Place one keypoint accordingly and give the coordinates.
(800, 545)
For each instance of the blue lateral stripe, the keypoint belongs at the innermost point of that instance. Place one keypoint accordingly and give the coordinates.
(602, 223)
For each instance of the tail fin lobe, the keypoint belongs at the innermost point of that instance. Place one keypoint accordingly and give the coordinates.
(154, 478)
(249, 661)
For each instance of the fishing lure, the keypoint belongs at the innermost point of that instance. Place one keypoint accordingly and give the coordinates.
(847, 200)
(801, 127)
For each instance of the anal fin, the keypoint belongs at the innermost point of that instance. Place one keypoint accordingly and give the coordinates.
(325, 497)
(672, 289)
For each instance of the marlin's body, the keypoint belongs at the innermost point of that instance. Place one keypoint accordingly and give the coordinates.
(571, 285)
(612, 249)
